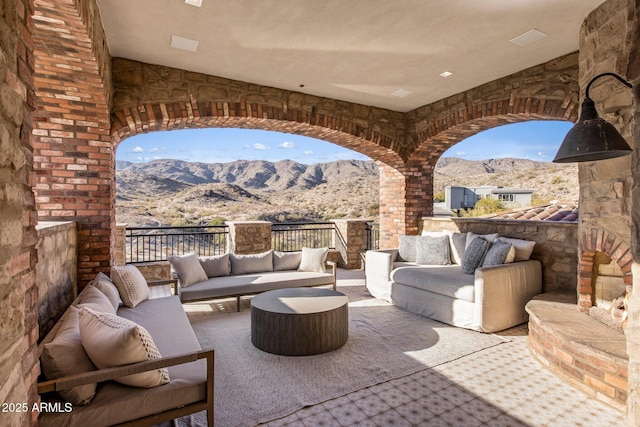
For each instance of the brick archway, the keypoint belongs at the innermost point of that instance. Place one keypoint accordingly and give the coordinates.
(597, 240)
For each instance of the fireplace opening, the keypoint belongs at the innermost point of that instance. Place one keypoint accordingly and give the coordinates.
(608, 292)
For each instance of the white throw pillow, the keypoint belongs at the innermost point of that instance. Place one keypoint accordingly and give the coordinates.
(286, 260)
(112, 341)
(313, 260)
(93, 298)
(64, 355)
(188, 269)
(524, 248)
(104, 284)
(131, 284)
(252, 263)
(216, 266)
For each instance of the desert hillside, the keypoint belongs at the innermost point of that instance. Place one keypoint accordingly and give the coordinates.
(174, 192)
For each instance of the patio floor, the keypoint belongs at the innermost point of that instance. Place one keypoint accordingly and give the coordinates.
(499, 386)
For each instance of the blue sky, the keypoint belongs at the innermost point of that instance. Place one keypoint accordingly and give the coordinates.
(535, 140)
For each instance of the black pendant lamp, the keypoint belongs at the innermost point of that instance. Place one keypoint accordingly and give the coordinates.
(592, 138)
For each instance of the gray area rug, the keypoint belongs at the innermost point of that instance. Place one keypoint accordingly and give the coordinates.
(385, 342)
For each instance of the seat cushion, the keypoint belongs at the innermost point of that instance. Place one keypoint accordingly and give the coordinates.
(246, 284)
(446, 280)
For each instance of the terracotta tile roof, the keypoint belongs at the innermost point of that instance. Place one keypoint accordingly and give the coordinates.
(560, 211)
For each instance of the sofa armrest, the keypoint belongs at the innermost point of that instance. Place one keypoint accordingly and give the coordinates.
(100, 375)
(332, 266)
(377, 270)
(502, 291)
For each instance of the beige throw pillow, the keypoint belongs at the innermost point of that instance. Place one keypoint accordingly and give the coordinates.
(94, 299)
(524, 248)
(64, 355)
(112, 341)
(131, 284)
(104, 284)
(313, 260)
(188, 269)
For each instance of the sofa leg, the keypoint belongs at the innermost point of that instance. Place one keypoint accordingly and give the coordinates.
(238, 304)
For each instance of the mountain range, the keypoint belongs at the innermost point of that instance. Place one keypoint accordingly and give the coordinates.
(175, 192)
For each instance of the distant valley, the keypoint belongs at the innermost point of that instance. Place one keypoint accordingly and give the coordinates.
(174, 192)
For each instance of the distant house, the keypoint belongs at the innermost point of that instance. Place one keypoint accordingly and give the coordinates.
(457, 198)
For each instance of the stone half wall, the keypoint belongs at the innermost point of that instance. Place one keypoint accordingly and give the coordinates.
(556, 244)
(56, 271)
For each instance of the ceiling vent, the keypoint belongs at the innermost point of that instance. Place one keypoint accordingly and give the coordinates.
(401, 93)
(184, 44)
(196, 3)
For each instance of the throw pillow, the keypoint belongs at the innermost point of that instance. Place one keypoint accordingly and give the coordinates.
(93, 298)
(131, 284)
(188, 269)
(216, 266)
(112, 341)
(286, 260)
(458, 244)
(252, 263)
(433, 250)
(524, 248)
(106, 286)
(64, 355)
(497, 254)
(313, 260)
(474, 254)
(407, 248)
(489, 237)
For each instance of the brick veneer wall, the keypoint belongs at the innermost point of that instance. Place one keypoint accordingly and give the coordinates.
(73, 155)
(18, 292)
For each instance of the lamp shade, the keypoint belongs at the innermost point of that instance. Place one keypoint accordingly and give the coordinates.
(592, 138)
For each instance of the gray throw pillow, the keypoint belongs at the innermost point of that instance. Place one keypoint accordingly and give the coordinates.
(286, 260)
(407, 248)
(216, 266)
(433, 250)
(188, 269)
(252, 263)
(497, 254)
(474, 254)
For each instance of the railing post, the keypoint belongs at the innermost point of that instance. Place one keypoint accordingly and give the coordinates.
(121, 244)
(350, 241)
(248, 237)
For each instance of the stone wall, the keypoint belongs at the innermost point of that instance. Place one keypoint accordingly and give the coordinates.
(609, 189)
(249, 237)
(556, 244)
(351, 242)
(19, 367)
(56, 271)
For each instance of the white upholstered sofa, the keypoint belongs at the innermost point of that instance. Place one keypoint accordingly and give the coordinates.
(425, 276)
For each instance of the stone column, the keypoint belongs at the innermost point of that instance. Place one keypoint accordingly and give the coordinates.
(350, 241)
(248, 237)
(121, 244)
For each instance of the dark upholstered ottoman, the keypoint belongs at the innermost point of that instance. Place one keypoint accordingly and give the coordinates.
(299, 321)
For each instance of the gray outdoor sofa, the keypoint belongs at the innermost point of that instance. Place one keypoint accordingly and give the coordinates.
(190, 370)
(232, 275)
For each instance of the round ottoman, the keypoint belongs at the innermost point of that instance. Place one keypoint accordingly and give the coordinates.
(299, 321)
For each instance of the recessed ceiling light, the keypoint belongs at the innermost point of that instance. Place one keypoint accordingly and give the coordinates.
(401, 93)
(196, 3)
(529, 37)
(184, 44)
(446, 74)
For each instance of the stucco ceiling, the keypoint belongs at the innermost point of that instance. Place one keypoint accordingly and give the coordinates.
(354, 50)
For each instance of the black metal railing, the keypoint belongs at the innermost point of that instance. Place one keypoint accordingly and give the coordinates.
(147, 244)
(292, 236)
(373, 235)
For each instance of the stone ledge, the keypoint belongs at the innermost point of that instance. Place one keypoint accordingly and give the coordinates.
(584, 352)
